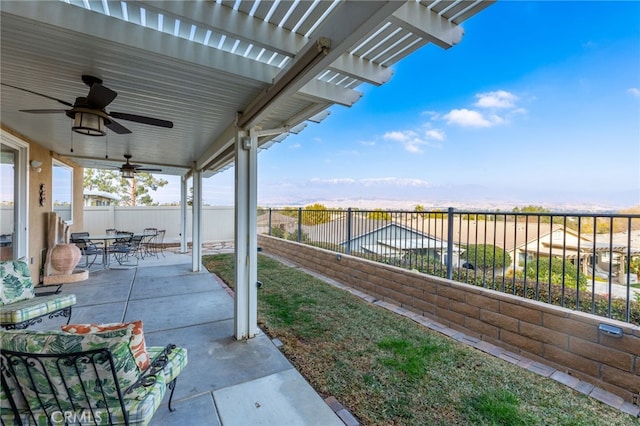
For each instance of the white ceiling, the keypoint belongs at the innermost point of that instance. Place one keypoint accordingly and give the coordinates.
(199, 64)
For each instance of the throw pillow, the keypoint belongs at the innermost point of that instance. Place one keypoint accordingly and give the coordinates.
(137, 344)
(16, 281)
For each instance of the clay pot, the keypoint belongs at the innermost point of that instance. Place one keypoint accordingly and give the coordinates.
(65, 257)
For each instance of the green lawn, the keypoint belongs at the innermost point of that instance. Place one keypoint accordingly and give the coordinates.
(388, 370)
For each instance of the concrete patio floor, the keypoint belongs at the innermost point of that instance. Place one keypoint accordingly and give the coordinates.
(226, 382)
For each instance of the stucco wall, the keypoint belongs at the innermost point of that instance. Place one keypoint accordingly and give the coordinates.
(38, 215)
(564, 339)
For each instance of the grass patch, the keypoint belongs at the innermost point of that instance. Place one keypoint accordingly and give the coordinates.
(388, 370)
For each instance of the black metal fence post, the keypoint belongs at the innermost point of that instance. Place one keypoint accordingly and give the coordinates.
(299, 238)
(450, 243)
(349, 230)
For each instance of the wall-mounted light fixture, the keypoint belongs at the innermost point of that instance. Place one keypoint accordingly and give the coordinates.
(35, 166)
(610, 330)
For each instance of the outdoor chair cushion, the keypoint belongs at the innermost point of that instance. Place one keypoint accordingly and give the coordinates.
(176, 361)
(140, 409)
(28, 309)
(138, 345)
(16, 282)
(59, 342)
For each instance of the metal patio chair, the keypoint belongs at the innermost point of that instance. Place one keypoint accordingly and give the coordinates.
(87, 247)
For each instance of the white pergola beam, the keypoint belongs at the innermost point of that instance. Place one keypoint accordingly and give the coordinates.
(360, 69)
(348, 23)
(72, 18)
(430, 26)
(329, 93)
(238, 25)
(225, 20)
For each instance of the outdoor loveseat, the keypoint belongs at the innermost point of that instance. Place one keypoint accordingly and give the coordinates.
(19, 305)
(89, 374)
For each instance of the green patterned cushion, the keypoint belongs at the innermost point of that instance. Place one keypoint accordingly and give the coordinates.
(58, 342)
(16, 282)
(176, 363)
(141, 405)
(33, 308)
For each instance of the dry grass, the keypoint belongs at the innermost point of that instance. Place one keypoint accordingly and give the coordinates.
(388, 370)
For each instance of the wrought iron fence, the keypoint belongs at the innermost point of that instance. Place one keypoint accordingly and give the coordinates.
(585, 262)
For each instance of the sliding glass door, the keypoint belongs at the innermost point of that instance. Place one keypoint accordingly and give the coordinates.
(14, 215)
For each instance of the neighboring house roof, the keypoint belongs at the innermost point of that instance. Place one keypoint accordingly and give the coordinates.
(276, 219)
(103, 194)
(504, 234)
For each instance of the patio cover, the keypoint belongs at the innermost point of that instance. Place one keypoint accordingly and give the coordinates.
(233, 77)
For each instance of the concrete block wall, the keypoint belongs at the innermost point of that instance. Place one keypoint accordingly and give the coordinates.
(567, 340)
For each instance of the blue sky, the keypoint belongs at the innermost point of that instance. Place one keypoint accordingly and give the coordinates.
(538, 104)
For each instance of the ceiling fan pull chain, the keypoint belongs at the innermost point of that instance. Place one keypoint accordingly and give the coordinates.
(106, 151)
(71, 141)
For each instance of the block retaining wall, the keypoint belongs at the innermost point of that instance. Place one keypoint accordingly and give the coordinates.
(566, 340)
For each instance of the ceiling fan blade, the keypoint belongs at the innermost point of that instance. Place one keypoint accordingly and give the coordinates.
(100, 96)
(117, 128)
(43, 111)
(39, 94)
(142, 119)
(148, 170)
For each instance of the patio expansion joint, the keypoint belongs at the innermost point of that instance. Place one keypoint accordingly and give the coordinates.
(586, 388)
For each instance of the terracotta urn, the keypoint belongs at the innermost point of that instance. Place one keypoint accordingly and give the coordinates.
(65, 257)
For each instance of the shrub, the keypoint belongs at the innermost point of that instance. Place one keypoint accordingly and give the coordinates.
(557, 272)
(486, 256)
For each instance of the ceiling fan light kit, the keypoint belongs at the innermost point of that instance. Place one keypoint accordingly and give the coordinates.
(89, 124)
(128, 173)
(128, 170)
(88, 113)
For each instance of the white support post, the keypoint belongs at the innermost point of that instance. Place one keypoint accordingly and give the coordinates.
(196, 233)
(246, 239)
(183, 215)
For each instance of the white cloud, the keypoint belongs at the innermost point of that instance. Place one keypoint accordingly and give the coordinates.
(374, 182)
(413, 141)
(435, 134)
(467, 118)
(334, 181)
(634, 91)
(394, 181)
(497, 99)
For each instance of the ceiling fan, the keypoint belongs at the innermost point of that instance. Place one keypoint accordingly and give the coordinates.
(89, 114)
(128, 170)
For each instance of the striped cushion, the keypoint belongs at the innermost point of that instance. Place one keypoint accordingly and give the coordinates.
(34, 308)
(177, 361)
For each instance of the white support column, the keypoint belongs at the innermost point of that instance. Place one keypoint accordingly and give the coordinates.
(246, 239)
(196, 233)
(183, 214)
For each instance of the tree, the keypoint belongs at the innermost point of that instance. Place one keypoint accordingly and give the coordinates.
(315, 214)
(487, 256)
(132, 192)
(379, 214)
